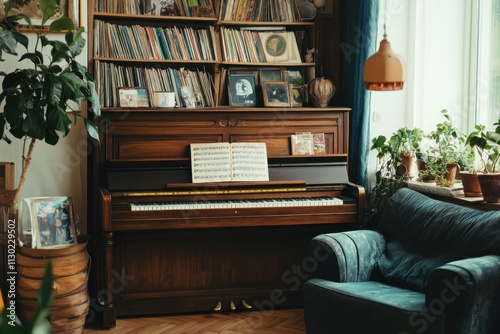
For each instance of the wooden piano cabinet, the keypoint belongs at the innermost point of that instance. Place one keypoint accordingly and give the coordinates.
(194, 270)
(161, 262)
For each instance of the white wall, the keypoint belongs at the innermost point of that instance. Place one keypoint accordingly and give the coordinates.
(431, 36)
(55, 170)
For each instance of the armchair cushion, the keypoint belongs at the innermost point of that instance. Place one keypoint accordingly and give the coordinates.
(363, 307)
(423, 234)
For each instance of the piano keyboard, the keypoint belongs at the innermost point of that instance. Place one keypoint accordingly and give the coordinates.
(237, 204)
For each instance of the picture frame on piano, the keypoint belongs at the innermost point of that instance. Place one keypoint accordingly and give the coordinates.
(133, 97)
(242, 90)
(52, 222)
(276, 94)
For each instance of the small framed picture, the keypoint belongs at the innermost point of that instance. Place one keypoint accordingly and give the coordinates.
(270, 74)
(276, 94)
(294, 77)
(133, 97)
(241, 89)
(52, 221)
(296, 93)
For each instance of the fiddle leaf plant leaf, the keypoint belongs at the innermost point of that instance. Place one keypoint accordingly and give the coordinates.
(61, 24)
(48, 9)
(92, 129)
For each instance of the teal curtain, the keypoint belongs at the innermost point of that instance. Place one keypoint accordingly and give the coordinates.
(358, 43)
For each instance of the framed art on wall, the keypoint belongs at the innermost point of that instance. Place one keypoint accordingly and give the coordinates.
(31, 8)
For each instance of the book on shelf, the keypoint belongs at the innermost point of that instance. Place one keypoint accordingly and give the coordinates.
(302, 143)
(306, 143)
(226, 162)
(259, 11)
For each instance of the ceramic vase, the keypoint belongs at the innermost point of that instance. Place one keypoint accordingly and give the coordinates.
(321, 91)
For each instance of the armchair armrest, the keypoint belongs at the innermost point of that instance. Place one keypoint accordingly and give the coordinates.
(346, 256)
(468, 293)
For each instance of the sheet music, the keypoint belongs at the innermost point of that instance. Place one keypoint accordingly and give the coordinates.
(249, 162)
(223, 162)
(210, 162)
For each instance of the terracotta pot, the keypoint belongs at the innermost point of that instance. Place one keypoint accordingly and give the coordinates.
(450, 175)
(490, 187)
(321, 91)
(471, 185)
(406, 167)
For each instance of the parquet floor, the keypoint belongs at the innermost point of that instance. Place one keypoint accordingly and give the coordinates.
(252, 322)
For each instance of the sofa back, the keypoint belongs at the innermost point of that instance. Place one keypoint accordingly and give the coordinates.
(423, 233)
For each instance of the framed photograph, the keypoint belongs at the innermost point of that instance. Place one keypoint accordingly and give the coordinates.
(296, 93)
(7, 176)
(241, 89)
(31, 8)
(275, 94)
(294, 77)
(270, 74)
(280, 47)
(133, 97)
(52, 221)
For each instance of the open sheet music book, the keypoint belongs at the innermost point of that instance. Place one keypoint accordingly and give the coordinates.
(223, 162)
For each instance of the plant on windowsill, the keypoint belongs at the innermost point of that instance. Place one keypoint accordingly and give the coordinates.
(449, 143)
(487, 145)
(393, 168)
(38, 98)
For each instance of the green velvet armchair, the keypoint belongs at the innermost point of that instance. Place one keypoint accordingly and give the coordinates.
(431, 267)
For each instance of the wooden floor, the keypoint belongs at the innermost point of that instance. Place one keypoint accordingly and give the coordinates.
(254, 322)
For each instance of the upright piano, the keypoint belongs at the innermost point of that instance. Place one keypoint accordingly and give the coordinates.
(163, 244)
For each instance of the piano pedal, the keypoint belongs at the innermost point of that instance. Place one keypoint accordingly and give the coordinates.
(246, 305)
(232, 306)
(218, 307)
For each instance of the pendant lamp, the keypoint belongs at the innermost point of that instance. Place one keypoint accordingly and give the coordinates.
(383, 71)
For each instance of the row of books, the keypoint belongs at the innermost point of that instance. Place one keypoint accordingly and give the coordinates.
(259, 11)
(139, 42)
(250, 46)
(193, 88)
(189, 8)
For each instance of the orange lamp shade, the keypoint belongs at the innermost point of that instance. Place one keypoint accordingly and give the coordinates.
(383, 71)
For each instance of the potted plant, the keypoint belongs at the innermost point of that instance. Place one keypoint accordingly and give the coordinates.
(37, 98)
(401, 149)
(448, 142)
(466, 160)
(394, 165)
(487, 145)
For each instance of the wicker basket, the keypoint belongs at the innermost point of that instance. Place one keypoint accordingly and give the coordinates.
(70, 267)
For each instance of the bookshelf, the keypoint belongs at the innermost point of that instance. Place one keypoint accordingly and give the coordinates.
(194, 55)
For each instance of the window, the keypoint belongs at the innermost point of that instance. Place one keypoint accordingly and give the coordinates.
(487, 108)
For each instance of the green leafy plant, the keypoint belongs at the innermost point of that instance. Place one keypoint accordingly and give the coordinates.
(38, 98)
(389, 160)
(487, 144)
(449, 147)
(10, 324)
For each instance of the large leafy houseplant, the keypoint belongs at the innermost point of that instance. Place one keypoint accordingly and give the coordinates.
(38, 98)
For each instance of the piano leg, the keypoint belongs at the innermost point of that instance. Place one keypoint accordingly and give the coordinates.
(109, 312)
